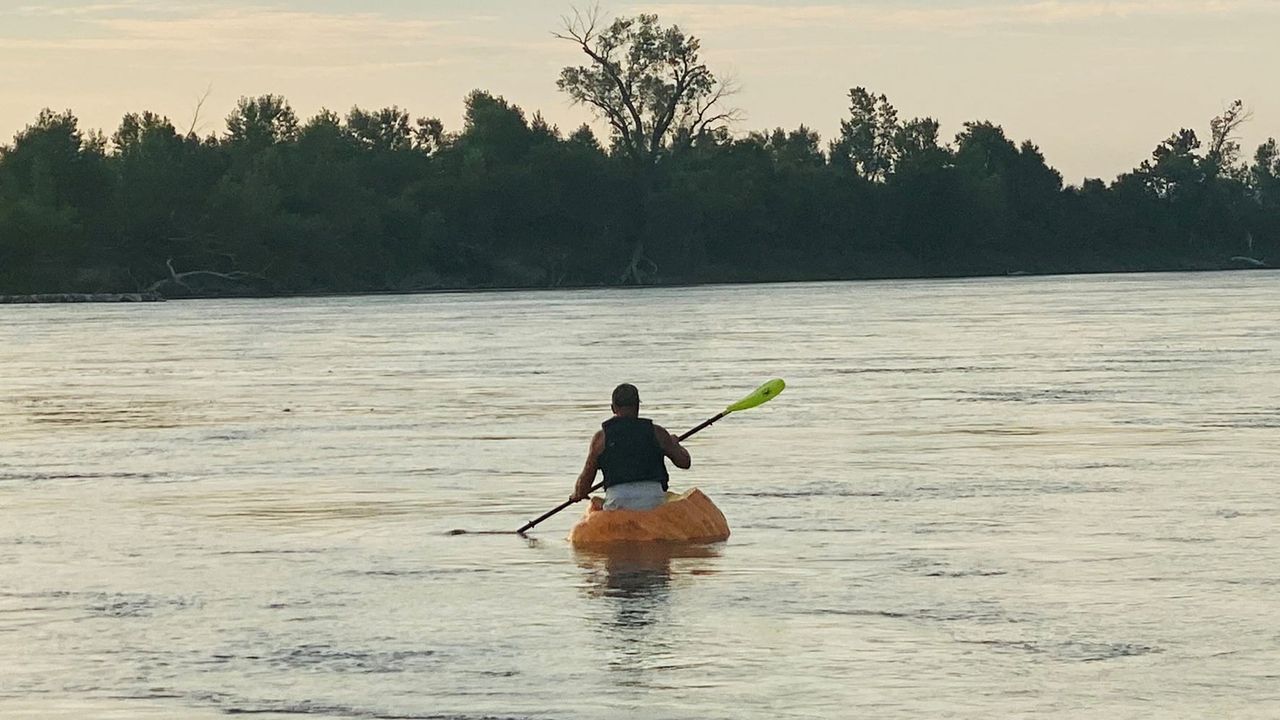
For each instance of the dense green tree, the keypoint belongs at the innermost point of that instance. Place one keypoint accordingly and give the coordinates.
(916, 148)
(868, 142)
(1175, 171)
(495, 131)
(799, 148)
(1263, 238)
(164, 179)
(585, 137)
(260, 122)
(386, 129)
(1265, 174)
(54, 187)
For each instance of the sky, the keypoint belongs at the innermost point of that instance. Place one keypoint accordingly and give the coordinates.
(1095, 83)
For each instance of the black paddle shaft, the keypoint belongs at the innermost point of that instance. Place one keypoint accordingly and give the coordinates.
(529, 525)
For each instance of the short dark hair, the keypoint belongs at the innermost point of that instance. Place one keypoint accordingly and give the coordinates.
(626, 395)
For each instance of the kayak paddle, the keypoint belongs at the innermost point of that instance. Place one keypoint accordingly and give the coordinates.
(760, 396)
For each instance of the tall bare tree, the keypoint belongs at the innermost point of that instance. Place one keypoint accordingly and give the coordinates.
(650, 84)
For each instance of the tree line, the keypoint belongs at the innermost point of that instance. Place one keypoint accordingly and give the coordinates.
(378, 200)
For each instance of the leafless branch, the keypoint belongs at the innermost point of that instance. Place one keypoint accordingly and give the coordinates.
(704, 119)
(195, 117)
(581, 28)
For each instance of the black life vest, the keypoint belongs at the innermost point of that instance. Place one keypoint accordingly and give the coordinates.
(631, 453)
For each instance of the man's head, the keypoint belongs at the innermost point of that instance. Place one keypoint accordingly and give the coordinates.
(626, 400)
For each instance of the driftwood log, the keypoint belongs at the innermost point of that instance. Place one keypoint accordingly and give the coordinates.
(180, 278)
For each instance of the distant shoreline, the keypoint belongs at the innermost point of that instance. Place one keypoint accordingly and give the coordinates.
(378, 203)
(116, 298)
(77, 298)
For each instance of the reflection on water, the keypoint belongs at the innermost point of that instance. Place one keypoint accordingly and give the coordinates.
(641, 570)
(638, 578)
(631, 587)
(1034, 497)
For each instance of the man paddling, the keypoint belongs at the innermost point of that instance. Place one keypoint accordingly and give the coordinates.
(631, 452)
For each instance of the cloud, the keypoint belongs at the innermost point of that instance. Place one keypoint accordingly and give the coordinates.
(238, 33)
(71, 10)
(1044, 12)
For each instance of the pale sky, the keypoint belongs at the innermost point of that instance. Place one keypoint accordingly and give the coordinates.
(1096, 83)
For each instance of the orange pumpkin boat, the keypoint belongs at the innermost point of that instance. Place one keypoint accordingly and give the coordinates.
(690, 517)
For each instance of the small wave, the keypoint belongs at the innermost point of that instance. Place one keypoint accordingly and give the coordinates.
(329, 659)
(130, 605)
(963, 523)
(1012, 488)
(921, 370)
(49, 477)
(272, 552)
(937, 568)
(100, 604)
(232, 436)
(134, 413)
(417, 572)
(980, 613)
(54, 594)
(1263, 420)
(25, 540)
(309, 708)
(816, 492)
(1097, 466)
(959, 490)
(1000, 431)
(1034, 396)
(230, 705)
(1071, 650)
(303, 511)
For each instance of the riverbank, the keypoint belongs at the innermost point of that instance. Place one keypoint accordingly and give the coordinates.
(44, 298)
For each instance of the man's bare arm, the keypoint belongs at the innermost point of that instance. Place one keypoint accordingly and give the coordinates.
(672, 448)
(587, 477)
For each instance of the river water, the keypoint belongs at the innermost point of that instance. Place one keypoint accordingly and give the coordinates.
(1049, 497)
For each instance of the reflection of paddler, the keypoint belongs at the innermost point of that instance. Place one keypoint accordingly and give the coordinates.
(632, 452)
(627, 574)
(627, 568)
(640, 575)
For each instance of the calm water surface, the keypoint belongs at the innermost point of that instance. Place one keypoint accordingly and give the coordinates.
(1049, 497)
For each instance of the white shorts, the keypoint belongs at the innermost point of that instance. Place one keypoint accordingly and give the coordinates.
(634, 496)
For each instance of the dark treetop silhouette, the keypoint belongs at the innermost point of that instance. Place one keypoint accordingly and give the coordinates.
(378, 200)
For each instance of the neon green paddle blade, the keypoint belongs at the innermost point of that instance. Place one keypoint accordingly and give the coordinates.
(762, 395)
